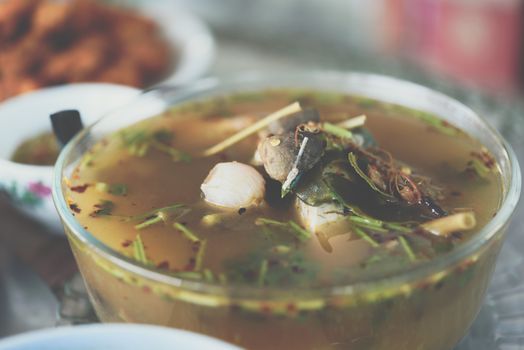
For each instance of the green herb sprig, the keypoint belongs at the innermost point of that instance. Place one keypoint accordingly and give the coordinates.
(190, 235)
(114, 189)
(152, 217)
(139, 142)
(407, 248)
(337, 131)
(262, 272)
(139, 251)
(288, 226)
(360, 232)
(86, 161)
(103, 208)
(354, 164)
(376, 225)
(259, 268)
(199, 259)
(476, 166)
(208, 275)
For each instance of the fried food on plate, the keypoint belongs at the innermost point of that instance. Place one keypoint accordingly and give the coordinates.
(49, 42)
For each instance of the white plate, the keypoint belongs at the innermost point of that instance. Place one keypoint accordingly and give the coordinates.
(28, 115)
(113, 337)
(190, 37)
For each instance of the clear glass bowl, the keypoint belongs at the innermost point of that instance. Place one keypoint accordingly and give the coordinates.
(429, 307)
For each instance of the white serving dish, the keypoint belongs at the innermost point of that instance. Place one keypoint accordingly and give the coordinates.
(113, 337)
(27, 115)
(191, 39)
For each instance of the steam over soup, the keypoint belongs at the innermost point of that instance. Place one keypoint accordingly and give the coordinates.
(242, 190)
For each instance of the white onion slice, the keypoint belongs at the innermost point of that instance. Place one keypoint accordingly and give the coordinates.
(233, 185)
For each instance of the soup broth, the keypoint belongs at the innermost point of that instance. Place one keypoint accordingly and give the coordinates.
(140, 192)
(41, 149)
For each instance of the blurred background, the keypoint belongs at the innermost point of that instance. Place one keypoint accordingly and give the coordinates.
(475, 43)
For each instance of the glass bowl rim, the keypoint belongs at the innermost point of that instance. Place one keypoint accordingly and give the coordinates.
(433, 267)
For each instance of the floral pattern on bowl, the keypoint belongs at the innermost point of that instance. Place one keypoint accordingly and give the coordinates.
(29, 186)
(32, 195)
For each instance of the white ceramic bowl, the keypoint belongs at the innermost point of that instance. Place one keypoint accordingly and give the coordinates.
(28, 115)
(113, 337)
(190, 37)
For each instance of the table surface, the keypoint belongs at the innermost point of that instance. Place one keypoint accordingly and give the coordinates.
(49, 255)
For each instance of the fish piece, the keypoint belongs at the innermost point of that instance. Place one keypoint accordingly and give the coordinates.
(325, 218)
(233, 185)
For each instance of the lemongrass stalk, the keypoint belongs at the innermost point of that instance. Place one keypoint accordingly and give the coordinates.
(262, 123)
(449, 224)
(353, 123)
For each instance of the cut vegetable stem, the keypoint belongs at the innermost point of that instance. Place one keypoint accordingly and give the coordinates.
(262, 272)
(139, 252)
(353, 123)
(337, 131)
(365, 236)
(200, 255)
(262, 123)
(149, 222)
(452, 223)
(186, 232)
(407, 248)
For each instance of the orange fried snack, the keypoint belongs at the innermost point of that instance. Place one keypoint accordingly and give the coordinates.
(48, 42)
(14, 16)
(81, 62)
(123, 72)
